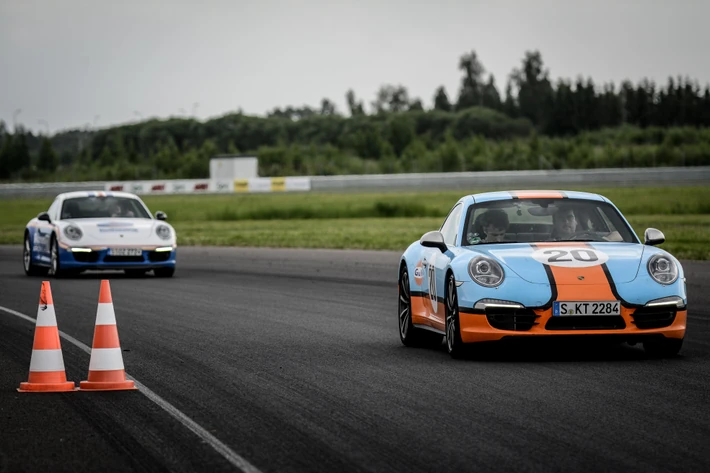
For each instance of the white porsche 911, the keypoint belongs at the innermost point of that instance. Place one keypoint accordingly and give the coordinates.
(99, 231)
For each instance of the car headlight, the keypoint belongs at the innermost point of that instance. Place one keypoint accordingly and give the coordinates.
(73, 232)
(163, 231)
(662, 269)
(486, 271)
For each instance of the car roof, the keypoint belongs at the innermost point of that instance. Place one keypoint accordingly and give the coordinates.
(535, 194)
(97, 193)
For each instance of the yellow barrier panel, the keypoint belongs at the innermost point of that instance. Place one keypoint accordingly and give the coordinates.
(278, 184)
(241, 185)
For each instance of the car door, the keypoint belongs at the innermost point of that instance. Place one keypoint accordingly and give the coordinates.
(435, 264)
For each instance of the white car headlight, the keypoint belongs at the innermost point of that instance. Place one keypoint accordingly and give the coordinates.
(163, 231)
(73, 232)
(486, 271)
(662, 269)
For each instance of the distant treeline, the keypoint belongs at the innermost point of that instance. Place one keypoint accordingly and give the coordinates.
(535, 124)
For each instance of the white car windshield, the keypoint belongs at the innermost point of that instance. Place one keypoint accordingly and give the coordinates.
(103, 207)
(540, 220)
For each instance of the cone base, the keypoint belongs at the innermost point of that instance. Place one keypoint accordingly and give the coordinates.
(46, 387)
(107, 386)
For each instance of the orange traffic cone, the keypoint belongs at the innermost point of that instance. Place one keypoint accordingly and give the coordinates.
(47, 372)
(106, 372)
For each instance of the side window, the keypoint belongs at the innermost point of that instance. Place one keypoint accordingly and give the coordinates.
(451, 225)
(54, 210)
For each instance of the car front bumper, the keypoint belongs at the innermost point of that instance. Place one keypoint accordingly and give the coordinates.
(98, 259)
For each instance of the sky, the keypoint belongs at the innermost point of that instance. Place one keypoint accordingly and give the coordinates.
(93, 63)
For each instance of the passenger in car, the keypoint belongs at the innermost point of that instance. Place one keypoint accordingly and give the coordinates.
(495, 224)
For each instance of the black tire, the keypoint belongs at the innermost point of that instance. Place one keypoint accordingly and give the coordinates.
(454, 344)
(55, 267)
(663, 347)
(31, 269)
(164, 272)
(410, 335)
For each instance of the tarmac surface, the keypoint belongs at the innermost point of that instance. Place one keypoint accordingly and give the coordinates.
(289, 360)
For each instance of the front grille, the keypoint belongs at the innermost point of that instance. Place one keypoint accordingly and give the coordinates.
(123, 259)
(518, 320)
(654, 317)
(586, 322)
(158, 256)
(82, 257)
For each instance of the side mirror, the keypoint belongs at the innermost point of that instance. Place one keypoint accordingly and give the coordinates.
(44, 216)
(653, 237)
(433, 239)
(161, 215)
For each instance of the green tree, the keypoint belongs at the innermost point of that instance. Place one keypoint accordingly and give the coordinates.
(471, 93)
(354, 105)
(491, 97)
(416, 106)
(19, 155)
(5, 157)
(534, 88)
(47, 158)
(400, 132)
(510, 105)
(327, 108)
(392, 99)
(441, 100)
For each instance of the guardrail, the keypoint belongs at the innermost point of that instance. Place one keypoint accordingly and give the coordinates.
(625, 177)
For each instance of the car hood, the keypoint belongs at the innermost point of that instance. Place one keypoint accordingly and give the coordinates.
(528, 261)
(123, 231)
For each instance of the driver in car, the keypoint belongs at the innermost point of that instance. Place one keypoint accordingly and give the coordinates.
(564, 227)
(117, 211)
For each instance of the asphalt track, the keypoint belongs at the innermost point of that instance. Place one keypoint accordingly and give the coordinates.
(291, 361)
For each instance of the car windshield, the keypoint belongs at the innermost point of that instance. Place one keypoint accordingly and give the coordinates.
(539, 220)
(103, 207)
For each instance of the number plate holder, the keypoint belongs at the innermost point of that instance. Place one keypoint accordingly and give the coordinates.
(585, 308)
(125, 252)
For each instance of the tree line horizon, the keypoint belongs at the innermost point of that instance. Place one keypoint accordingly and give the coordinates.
(397, 135)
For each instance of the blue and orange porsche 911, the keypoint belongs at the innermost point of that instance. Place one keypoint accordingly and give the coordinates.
(531, 263)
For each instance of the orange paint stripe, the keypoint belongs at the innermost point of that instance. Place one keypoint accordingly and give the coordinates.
(110, 376)
(45, 295)
(46, 338)
(105, 292)
(47, 377)
(418, 308)
(106, 336)
(543, 194)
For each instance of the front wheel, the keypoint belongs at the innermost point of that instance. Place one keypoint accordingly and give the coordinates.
(30, 269)
(454, 344)
(663, 347)
(55, 269)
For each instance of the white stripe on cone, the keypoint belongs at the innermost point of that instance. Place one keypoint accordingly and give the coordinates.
(105, 314)
(106, 359)
(46, 360)
(46, 317)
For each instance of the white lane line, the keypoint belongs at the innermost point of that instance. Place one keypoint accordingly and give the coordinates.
(230, 455)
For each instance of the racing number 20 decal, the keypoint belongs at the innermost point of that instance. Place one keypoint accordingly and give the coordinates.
(431, 280)
(570, 257)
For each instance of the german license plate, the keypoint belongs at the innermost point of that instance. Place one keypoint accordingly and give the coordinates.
(561, 309)
(125, 251)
